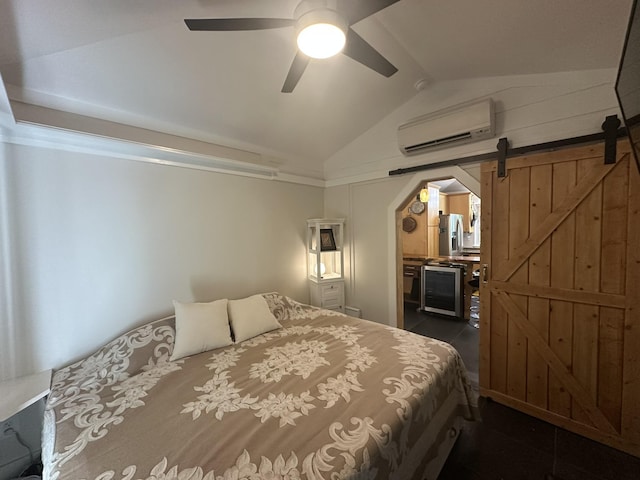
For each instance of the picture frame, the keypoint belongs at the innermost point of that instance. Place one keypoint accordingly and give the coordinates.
(327, 240)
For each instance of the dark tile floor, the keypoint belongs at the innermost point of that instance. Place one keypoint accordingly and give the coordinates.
(459, 333)
(507, 444)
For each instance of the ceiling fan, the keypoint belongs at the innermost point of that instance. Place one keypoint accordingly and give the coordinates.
(323, 29)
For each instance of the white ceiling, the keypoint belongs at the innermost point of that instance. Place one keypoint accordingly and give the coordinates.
(450, 186)
(135, 62)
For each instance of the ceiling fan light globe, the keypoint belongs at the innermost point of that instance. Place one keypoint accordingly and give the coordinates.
(321, 31)
(321, 40)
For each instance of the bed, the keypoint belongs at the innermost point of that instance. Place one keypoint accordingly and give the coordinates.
(325, 396)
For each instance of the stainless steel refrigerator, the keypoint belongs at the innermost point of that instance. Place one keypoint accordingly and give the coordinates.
(451, 231)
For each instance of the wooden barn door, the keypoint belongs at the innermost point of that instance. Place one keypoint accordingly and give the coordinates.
(560, 300)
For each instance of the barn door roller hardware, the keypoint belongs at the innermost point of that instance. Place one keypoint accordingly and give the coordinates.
(610, 126)
(503, 149)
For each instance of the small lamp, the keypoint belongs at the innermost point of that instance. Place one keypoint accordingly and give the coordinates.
(323, 270)
(424, 195)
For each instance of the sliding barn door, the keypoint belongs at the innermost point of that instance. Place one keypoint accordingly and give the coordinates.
(560, 299)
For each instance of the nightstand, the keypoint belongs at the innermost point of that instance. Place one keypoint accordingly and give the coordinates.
(325, 262)
(17, 394)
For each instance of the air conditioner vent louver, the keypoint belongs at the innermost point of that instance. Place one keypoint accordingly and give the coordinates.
(440, 141)
(453, 126)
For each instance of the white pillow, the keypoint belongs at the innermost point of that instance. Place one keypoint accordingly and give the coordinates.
(250, 317)
(200, 327)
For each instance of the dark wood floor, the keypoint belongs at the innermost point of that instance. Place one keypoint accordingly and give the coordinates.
(507, 444)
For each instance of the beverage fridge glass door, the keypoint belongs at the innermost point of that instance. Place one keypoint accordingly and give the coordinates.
(441, 290)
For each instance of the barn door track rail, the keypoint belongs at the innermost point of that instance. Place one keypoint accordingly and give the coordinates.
(611, 132)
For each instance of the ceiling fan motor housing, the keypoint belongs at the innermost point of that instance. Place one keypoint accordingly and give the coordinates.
(306, 6)
(310, 12)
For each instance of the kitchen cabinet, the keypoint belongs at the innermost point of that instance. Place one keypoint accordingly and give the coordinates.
(444, 203)
(461, 203)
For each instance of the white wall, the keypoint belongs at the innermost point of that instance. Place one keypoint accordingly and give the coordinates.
(364, 205)
(530, 110)
(92, 246)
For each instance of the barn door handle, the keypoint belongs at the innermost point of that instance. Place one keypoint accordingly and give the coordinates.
(485, 273)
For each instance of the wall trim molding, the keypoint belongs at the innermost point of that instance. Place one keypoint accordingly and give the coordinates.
(41, 136)
(41, 127)
(35, 135)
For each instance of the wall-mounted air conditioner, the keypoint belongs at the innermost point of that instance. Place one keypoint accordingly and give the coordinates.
(453, 126)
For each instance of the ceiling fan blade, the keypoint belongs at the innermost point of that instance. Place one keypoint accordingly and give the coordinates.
(358, 49)
(298, 66)
(236, 24)
(357, 10)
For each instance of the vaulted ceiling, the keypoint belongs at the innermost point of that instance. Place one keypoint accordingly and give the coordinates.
(135, 62)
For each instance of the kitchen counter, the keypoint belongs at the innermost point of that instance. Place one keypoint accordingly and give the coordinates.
(454, 258)
(460, 258)
(414, 259)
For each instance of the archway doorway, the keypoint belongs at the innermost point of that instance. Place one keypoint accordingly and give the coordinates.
(429, 239)
(395, 217)
(422, 254)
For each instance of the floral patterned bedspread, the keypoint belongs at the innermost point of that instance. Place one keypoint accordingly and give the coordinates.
(327, 396)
